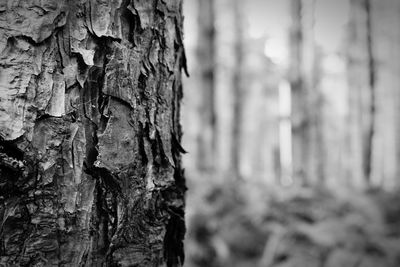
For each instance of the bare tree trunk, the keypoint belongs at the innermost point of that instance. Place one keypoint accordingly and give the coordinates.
(368, 146)
(237, 90)
(319, 142)
(314, 99)
(206, 62)
(299, 93)
(383, 42)
(307, 135)
(361, 72)
(359, 98)
(89, 121)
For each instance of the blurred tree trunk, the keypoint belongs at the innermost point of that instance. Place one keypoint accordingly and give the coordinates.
(206, 62)
(374, 95)
(319, 134)
(300, 122)
(299, 95)
(385, 52)
(360, 98)
(368, 145)
(237, 90)
(307, 130)
(90, 157)
(313, 75)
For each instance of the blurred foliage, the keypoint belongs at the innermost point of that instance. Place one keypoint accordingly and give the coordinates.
(247, 224)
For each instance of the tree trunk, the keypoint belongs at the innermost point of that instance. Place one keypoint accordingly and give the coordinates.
(206, 62)
(237, 91)
(307, 135)
(374, 51)
(315, 100)
(368, 145)
(300, 117)
(359, 95)
(385, 48)
(89, 121)
(362, 81)
(320, 133)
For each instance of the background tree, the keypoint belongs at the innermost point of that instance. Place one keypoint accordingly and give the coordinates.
(206, 60)
(374, 98)
(304, 74)
(300, 102)
(262, 222)
(237, 90)
(90, 163)
(384, 49)
(362, 97)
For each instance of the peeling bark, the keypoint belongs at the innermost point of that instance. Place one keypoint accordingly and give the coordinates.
(90, 165)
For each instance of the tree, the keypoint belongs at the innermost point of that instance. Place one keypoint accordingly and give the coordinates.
(304, 71)
(206, 63)
(361, 65)
(90, 163)
(237, 90)
(374, 97)
(299, 92)
(368, 141)
(360, 99)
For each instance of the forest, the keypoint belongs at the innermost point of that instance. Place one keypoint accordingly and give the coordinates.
(200, 133)
(291, 120)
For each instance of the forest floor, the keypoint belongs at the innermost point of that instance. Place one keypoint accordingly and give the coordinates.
(250, 225)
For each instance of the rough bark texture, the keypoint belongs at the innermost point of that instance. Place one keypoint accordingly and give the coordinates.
(90, 170)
